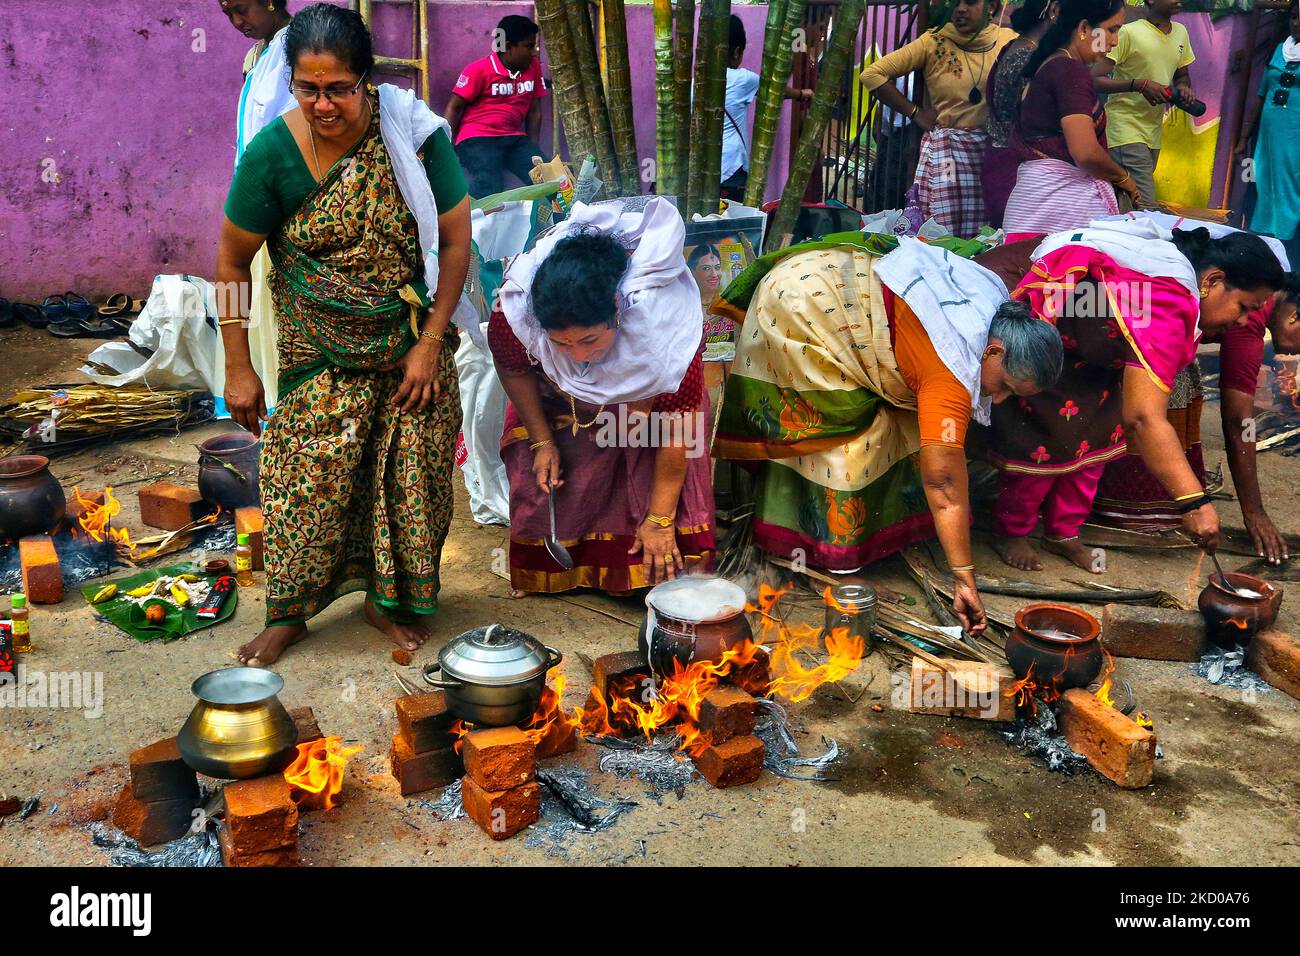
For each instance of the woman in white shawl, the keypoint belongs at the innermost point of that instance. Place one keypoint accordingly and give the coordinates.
(356, 469)
(264, 97)
(599, 341)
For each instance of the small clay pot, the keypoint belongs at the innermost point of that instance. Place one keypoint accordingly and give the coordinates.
(228, 470)
(31, 499)
(1233, 619)
(217, 566)
(1062, 644)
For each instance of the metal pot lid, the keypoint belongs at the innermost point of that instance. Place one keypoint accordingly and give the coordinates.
(495, 654)
(698, 598)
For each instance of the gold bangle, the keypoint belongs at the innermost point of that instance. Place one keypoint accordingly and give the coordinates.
(663, 521)
(964, 567)
(430, 334)
(1189, 497)
(538, 444)
(230, 322)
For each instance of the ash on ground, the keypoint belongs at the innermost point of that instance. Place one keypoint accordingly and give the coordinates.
(1228, 669)
(197, 849)
(656, 763)
(1038, 737)
(780, 750)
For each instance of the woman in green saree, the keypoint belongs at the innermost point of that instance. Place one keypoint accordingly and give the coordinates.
(356, 470)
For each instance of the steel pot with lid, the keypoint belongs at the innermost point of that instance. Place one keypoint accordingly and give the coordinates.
(493, 675)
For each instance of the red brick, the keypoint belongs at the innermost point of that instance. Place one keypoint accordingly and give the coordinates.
(304, 718)
(9, 806)
(159, 773)
(416, 773)
(611, 666)
(499, 758)
(1275, 656)
(233, 857)
(424, 721)
(727, 712)
(42, 575)
(965, 689)
(261, 814)
(151, 822)
(731, 764)
(756, 676)
(558, 741)
(170, 507)
(502, 813)
(249, 521)
(1115, 746)
(1153, 633)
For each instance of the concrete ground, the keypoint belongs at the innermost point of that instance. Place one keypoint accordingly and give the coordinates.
(910, 789)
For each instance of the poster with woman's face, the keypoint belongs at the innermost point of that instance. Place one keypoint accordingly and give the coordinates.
(713, 264)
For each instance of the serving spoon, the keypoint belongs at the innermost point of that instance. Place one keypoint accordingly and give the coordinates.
(1213, 557)
(559, 554)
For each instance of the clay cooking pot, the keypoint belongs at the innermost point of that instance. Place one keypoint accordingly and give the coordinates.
(1062, 644)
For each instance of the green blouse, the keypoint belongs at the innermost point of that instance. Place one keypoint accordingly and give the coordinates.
(272, 179)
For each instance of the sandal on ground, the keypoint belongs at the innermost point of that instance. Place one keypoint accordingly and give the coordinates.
(119, 303)
(84, 329)
(79, 307)
(7, 318)
(31, 314)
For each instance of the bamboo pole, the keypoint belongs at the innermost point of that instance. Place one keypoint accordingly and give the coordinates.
(719, 49)
(713, 26)
(571, 105)
(848, 17)
(618, 94)
(593, 91)
(683, 65)
(665, 108)
(767, 115)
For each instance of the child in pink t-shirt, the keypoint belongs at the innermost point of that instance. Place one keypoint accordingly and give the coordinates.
(495, 110)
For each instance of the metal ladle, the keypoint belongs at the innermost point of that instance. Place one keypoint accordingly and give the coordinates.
(559, 554)
(1213, 557)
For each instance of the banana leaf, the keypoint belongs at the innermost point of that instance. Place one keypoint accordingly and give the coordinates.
(179, 621)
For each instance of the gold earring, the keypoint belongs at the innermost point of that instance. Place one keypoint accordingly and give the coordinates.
(271, 7)
(1204, 292)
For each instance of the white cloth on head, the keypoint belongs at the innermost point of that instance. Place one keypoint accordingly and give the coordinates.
(265, 96)
(954, 299)
(1140, 244)
(405, 122)
(661, 323)
(1291, 50)
(1216, 229)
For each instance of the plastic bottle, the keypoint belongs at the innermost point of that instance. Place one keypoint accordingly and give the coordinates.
(20, 615)
(243, 561)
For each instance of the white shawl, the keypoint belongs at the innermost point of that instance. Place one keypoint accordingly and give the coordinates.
(405, 122)
(954, 299)
(661, 322)
(1142, 245)
(265, 96)
(1216, 229)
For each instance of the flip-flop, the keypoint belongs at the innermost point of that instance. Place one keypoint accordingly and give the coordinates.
(78, 305)
(31, 314)
(54, 309)
(83, 329)
(116, 304)
(7, 320)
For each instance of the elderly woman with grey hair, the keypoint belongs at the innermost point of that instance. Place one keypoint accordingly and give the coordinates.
(856, 376)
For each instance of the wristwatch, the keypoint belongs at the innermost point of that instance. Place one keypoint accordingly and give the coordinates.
(663, 521)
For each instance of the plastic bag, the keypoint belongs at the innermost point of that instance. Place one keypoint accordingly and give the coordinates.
(175, 337)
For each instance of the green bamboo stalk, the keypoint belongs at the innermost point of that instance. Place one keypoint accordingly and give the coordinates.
(571, 105)
(665, 113)
(715, 105)
(771, 96)
(703, 106)
(683, 63)
(848, 17)
(618, 94)
(593, 90)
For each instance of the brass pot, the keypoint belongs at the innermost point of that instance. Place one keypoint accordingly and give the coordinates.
(239, 728)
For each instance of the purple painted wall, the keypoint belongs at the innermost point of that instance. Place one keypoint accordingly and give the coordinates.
(118, 137)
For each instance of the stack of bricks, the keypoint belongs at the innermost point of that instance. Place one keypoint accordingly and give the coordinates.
(157, 804)
(423, 755)
(170, 507)
(499, 789)
(261, 823)
(734, 756)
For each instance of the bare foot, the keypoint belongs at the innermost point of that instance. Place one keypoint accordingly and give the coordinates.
(516, 593)
(266, 648)
(1018, 553)
(405, 634)
(1078, 553)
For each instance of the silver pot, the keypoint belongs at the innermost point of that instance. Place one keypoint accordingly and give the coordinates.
(494, 675)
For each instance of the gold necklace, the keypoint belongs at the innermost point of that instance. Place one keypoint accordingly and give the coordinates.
(311, 136)
(573, 410)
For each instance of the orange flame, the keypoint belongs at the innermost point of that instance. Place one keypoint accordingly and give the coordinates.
(1029, 692)
(95, 519)
(631, 708)
(1237, 622)
(316, 775)
(1143, 720)
(1103, 692)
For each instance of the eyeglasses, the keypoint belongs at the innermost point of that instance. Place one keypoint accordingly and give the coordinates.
(309, 94)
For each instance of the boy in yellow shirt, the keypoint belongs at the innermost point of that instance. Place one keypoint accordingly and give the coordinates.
(1152, 55)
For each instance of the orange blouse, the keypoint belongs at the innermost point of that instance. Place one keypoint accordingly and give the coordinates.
(942, 402)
